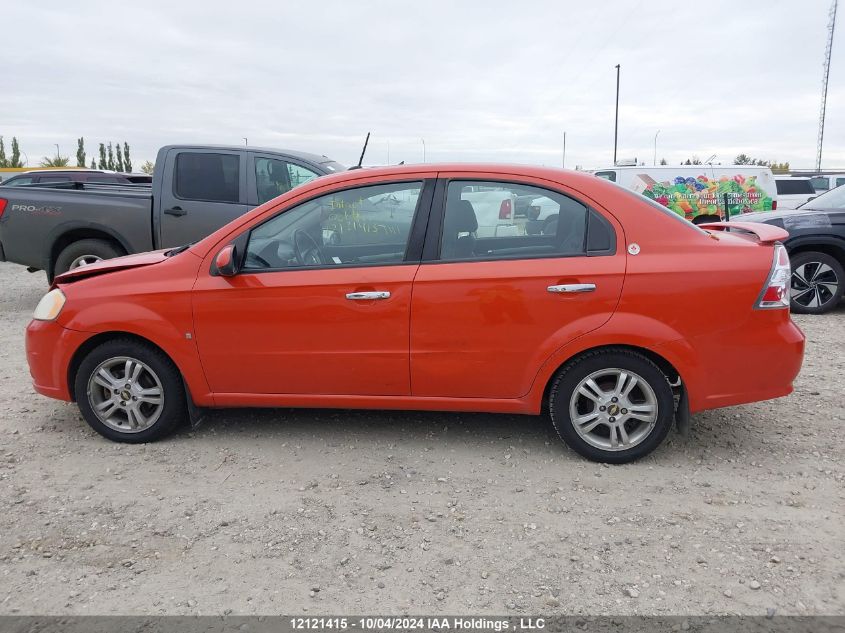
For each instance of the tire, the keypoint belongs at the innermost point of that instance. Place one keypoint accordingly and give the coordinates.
(644, 432)
(817, 283)
(151, 418)
(95, 250)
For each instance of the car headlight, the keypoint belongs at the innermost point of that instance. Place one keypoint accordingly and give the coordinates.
(50, 306)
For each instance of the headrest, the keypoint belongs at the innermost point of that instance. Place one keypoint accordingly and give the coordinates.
(460, 217)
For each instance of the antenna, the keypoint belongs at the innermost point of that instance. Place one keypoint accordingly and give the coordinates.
(363, 151)
(830, 26)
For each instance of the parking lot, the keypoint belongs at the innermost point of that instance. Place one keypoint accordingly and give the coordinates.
(280, 511)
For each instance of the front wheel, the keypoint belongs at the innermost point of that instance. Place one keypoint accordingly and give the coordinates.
(83, 253)
(817, 283)
(130, 392)
(612, 406)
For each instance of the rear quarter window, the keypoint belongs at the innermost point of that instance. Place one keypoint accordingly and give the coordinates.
(788, 187)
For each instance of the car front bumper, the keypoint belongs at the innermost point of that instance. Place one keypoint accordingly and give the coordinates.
(49, 352)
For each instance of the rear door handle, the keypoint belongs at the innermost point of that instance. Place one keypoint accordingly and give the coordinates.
(177, 211)
(368, 296)
(571, 288)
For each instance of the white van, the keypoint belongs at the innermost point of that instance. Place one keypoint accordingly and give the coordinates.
(793, 191)
(698, 192)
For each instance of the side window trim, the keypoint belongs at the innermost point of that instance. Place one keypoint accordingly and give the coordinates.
(412, 248)
(434, 232)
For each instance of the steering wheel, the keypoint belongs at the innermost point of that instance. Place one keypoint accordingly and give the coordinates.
(306, 249)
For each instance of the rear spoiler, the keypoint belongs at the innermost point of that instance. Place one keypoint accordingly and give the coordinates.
(765, 233)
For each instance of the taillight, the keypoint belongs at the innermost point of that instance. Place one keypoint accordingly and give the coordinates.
(775, 293)
(505, 209)
(3, 203)
(533, 212)
(774, 205)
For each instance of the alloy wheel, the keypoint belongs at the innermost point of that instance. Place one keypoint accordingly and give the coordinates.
(84, 260)
(125, 394)
(813, 284)
(613, 409)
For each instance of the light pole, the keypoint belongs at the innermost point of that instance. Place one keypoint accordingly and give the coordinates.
(58, 153)
(246, 143)
(423, 142)
(616, 122)
(655, 146)
(388, 151)
(563, 158)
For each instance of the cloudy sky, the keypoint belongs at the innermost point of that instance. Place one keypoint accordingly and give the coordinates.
(491, 81)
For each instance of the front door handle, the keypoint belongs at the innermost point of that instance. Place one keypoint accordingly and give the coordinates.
(570, 288)
(368, 296)
(177, 211)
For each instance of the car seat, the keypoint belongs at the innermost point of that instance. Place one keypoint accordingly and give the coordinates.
(460, 218)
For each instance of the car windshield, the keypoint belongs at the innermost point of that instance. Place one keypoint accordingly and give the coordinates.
(833, 199)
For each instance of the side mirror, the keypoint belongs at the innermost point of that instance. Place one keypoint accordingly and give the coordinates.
(226, 261)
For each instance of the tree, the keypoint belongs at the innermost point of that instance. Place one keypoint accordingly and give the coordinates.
(58, 161)
(148, 167)
(743, 159)
(93, 163)
(15, 160)
(127, 163)
(80, 152)
(779, 168)
(118, 160)
(102, 164)
(3, 161)
(110, 161)
(663, 161)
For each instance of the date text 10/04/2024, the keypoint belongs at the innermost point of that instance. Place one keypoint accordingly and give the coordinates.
(409, 623)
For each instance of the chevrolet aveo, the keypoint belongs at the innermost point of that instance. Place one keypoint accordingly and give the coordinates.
(387, 289)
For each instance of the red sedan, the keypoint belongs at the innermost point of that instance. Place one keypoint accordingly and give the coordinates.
(417, 287)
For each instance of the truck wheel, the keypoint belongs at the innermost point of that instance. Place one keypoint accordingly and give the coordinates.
(817, 283)
(611, 405)
(84, 252)
(130, 392)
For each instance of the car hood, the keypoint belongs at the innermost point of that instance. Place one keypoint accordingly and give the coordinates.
(112, 265)
(768, 216)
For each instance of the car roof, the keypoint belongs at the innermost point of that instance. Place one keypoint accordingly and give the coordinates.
(306, 156)
(788, 177)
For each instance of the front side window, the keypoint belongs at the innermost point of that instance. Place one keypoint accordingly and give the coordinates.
(14, 182)
(274, 177)
(820, 183)
(208, 177)
(361, 226)
(481, 222)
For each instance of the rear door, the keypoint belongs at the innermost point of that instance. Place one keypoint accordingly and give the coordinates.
(486, 311)
(201, 191)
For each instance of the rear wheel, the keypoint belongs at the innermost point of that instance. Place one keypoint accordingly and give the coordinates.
(612, 405)
(83, 253)
(130, 392)
(817, 282)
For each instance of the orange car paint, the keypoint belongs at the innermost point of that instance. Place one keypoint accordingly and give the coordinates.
(467, 336)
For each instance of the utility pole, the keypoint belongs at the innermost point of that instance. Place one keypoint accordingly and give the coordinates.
(616, 123)
(831, 25)
(563, 158)
(423, 142)
(655, 147)
(246, 143)
(58, 153)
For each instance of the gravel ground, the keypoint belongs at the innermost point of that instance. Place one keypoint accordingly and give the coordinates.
(261, 512)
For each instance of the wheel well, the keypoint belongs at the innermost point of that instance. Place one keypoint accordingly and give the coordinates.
(672, 374)
(99, 339)
(65, 239)
(837, 252)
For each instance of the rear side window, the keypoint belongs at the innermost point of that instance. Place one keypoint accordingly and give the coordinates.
(819, 183)
(47, 179)
(501, 220)
(205, 176)
(607, 175)
(840, 182)
(794, 186)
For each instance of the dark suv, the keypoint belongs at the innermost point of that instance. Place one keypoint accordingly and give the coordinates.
(816, 246)
(52, 176)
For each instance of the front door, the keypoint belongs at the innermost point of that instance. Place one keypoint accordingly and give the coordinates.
(491, 306)
(201, 191)
(322, 304)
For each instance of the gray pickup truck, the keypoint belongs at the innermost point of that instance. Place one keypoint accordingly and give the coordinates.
(196, 189)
